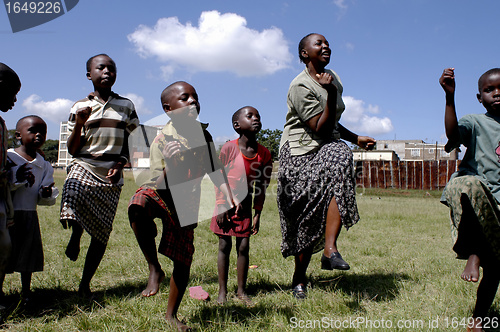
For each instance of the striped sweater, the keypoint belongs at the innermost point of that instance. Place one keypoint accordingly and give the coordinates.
(105, 134)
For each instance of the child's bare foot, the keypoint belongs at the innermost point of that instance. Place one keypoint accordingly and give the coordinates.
(244, 298)
(222, 299)
(155, 279)
(177, 323)
(471, 270)
(475, 326)
(73, 248)
(85, 292)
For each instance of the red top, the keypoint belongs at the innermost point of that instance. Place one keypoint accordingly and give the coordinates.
(246, 177)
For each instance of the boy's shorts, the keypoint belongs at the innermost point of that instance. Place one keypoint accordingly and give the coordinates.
(177, 243)
(467, 196)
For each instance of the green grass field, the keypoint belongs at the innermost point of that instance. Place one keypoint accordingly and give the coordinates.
(403, 277)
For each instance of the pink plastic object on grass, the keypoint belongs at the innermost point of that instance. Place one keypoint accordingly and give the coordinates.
(198, 293)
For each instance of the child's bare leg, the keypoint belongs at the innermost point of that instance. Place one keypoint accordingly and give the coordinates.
(471, 270)
(243, 249)
(2, 278)
(5, 248)
(225, 245)
(95, 253)
(73, 247)
(486, 292)
(178, 283)
(26, 284)
(145, 232)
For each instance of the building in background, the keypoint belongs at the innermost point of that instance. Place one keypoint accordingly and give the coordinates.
(385, 155)
(416, 150)
(139, 153)
(63, 157)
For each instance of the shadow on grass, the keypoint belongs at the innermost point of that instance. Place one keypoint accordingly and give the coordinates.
(59, 303)
(378, 287)
(238, 314)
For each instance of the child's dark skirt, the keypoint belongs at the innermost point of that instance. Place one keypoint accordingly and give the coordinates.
(89, 202)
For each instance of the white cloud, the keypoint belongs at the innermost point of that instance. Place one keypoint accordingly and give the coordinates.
(55, 111)
(220, 42)
(220, 140)
(138, 103)
(361, 119)
(349, 46)
(167, 72)
(340, 3)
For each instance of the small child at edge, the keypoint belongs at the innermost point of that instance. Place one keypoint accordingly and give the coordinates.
(34, 186)
(10, 84)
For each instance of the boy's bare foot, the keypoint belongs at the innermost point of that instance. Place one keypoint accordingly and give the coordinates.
(85, 292)
(471, 270)
(155, 279)
(177, 323)
(73, 248)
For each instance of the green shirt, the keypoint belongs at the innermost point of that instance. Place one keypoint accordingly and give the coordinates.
(480, 134)
(306, 99)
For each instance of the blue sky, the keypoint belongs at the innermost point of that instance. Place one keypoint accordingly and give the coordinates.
(389, 55)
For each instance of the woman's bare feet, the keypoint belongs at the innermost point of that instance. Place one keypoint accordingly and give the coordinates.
(177, 323)
(156, 277)
(471, 270)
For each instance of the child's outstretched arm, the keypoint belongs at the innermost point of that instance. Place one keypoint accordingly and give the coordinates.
(447, 81)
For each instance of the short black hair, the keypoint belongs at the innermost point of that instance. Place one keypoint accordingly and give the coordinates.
(89, 61)
(27, 117)
(483, 77)
(8, 75)
(165, 93)
(237, 114)
(302, 43)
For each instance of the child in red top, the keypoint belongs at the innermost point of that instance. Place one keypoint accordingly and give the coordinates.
(248, 166)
